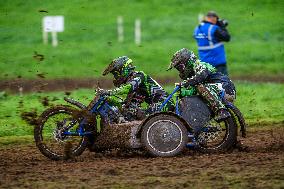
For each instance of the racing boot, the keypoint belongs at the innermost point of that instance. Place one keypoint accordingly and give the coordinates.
(209, 93)
(222, 115)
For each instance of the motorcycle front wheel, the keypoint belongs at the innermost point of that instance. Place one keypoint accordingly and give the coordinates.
(49, 138)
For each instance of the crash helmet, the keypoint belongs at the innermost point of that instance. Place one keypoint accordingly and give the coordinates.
(181, 59)
(120, 68)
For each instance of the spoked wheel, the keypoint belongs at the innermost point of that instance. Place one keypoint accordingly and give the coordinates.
(217, 137)
(164, 135)
(49, 136)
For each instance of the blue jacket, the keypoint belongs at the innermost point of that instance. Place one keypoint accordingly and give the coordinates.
(210, 49)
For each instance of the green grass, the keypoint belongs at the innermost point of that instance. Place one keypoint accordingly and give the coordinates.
(11, 109)
(19, 140)
(261, 104)
(89, 41)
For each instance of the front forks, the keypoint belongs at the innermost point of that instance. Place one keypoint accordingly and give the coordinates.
(62, 129)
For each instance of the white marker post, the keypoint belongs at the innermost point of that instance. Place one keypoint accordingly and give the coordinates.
(120, 28)
(137, 32)
(52, 24)
(21, 91)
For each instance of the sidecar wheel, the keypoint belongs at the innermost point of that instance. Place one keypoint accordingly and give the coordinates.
(164, 135)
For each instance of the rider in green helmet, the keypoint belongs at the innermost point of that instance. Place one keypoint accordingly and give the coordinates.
(137, 85)
(204, 78)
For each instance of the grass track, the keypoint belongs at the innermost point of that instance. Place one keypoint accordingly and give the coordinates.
(261, 104)
(89, 41)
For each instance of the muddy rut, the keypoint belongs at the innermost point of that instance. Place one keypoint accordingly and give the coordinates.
(45, 85)
(257, 163)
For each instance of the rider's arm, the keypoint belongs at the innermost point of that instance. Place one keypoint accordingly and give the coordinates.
(222, 34)
(123, 89)
(130, 86)
(201, 73)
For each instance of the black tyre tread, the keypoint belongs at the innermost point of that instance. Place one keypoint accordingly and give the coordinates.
(240, 118)
(228, 143)
(161, 117)
(37, 132)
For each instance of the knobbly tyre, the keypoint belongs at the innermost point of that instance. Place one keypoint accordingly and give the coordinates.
(163, 134)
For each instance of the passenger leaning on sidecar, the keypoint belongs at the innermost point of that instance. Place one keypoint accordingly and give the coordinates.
(137, 85)
(205, 80)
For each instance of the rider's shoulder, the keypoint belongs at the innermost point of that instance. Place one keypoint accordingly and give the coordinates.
(211, 68)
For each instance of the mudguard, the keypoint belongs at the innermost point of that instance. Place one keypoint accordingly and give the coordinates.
(189, 128)
(239, 116)
(195, 112)
(75, 103)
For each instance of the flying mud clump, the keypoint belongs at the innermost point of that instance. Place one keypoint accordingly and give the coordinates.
(30, 117)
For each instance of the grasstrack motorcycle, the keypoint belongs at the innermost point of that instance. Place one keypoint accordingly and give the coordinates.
(66, 131)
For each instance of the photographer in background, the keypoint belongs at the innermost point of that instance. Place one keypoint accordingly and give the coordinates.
(209, 35)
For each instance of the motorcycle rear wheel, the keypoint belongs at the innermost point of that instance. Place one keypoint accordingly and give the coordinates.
(217, 137)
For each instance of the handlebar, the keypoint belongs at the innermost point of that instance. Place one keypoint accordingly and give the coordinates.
(170, 96)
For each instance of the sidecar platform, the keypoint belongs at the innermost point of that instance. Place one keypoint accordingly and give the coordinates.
(121, 135)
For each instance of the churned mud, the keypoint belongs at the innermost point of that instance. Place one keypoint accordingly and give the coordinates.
(256, 163)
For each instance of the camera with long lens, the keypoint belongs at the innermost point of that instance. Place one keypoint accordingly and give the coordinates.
(222, 23)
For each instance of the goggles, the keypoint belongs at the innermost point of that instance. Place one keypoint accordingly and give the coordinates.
(116, 74)
(180, 67)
